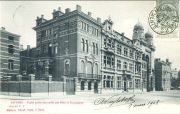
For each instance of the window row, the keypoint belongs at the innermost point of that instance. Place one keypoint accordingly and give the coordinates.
(85, 46)
(46, 32)
(87, 27)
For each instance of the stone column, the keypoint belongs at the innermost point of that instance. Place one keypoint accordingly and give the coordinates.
(19, 77)
(77, 85)
(85, 86)
(31, 77)
(64, 84)
(46, 67)
(92, 86)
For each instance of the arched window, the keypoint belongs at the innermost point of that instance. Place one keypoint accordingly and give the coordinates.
(86, 46)
(93, 48)
(89, 67)
(66, 67)
(82, 45)
(96, 69)
(96, 49)
(82, 67)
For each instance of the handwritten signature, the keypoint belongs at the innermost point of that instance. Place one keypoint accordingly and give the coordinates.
(117, 100)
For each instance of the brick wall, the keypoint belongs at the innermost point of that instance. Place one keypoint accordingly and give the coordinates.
(32, 86)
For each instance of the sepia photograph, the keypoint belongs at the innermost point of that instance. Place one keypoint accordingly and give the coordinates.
(81, 57)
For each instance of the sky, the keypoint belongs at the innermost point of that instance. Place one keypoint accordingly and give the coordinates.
(19, 17)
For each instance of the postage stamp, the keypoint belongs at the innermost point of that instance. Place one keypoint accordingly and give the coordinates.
(164, 18)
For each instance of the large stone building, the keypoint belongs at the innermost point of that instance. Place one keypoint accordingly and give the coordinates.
(73, 45)
(9, 54)
(127, 64)
(162, 75)
(174, 73)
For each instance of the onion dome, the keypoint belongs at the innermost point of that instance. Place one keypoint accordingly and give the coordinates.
(148, 34)
(138, 26)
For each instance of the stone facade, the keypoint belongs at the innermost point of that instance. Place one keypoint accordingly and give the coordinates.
(162, 75)
(9, 60)
(75, 45)
(127, 65)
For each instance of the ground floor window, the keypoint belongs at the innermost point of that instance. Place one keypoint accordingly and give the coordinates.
(137, 83)
(82, 85)
(89, 85)
(118, 82)
(130, 84)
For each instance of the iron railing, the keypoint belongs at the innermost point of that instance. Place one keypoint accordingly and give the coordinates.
(89, 76)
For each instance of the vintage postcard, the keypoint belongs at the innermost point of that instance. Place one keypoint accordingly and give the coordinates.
(81, 57)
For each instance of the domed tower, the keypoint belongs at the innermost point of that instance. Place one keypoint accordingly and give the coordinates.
(149, 37)
(138, 31)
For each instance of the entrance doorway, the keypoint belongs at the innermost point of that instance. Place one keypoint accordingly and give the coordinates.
(125, 86)
(95, 87)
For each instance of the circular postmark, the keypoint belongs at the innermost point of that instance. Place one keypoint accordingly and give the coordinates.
(163, 19)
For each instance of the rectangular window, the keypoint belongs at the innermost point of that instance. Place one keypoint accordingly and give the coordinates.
(118, 49)
(113, 63)
(125, 66)
(125, 52)
(118, 64)
(55, 49)
(10, 49)
(105, 61)
(108, 62)
(11, 38)
(131, 54)
(10, 65)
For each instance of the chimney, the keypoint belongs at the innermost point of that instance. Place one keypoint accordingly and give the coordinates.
(78, 8)
(28, 47)
(59, 8)
(3, 28)
(54, 10)
(21, 47)
(67, 10)
(37, 17)
(99, 20)
(122, 34)
(42, 16)
(89, 14)
(167, 60)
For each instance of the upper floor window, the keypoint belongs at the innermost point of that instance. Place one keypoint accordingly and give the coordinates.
(119, 49)
(11, 38)
(96, 49)
(86, 46)
(84, 26)
(118, 64)
(10, 65)
(125, 65)
(55, 49)
(11, 49)
(131, 54)
(82, 45)
(125, 52)
(93, 48)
